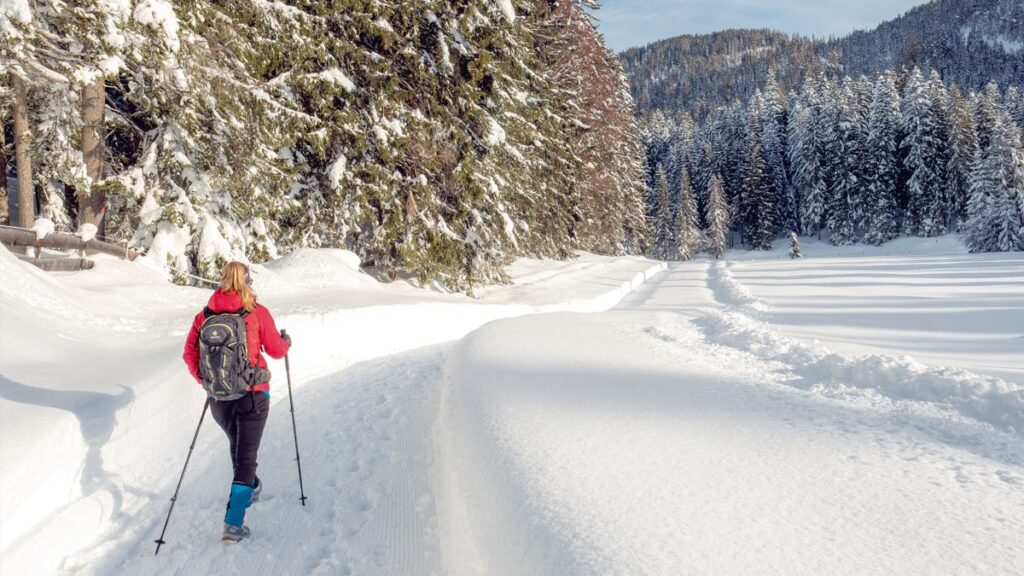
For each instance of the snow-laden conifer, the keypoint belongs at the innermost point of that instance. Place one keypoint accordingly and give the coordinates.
(688, 235)
(881, 163)
(924, 158)
(717, 219)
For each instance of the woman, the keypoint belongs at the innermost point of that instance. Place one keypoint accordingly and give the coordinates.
(242, 418)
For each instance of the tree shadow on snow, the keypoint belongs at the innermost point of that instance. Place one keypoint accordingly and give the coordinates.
(96, 414)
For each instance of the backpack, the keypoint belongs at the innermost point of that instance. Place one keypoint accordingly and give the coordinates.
(224, 356)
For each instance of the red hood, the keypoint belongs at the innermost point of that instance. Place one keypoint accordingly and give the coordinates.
(224, 302)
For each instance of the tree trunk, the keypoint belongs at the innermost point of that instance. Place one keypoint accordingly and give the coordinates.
(91, 203)
(22, 142)
(5, 199)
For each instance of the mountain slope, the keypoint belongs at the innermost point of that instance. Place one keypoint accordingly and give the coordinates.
(969, 42)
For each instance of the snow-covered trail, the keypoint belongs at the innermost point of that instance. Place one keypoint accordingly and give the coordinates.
(93, 443)
(367, 456)
(642, 441)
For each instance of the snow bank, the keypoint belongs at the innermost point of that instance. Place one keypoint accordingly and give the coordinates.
(984, 398)
(730, 292)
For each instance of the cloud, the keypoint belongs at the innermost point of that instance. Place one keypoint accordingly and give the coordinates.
(627, 23)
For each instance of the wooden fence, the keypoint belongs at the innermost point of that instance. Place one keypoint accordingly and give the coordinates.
(20, 237)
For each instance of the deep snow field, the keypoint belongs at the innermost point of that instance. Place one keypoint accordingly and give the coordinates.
(859, 411)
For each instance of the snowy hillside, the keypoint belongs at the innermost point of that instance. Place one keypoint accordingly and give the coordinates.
(857, 411)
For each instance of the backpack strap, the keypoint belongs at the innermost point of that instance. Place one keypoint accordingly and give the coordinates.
(207, 312)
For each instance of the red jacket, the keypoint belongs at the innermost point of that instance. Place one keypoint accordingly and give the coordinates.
(261, 333)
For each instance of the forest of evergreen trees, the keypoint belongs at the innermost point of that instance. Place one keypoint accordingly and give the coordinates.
(860, 160)
(436, 139)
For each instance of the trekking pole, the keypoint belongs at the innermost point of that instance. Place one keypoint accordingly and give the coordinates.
(295, 434)
(160, 541)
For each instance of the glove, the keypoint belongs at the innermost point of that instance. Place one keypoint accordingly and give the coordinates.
(286, 338)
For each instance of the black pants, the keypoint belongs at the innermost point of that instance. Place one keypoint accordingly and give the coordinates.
(243, 421)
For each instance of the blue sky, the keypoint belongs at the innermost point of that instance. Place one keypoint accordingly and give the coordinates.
(627, 23)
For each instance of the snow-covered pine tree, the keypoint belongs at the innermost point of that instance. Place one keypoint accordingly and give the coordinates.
(603, 138)
(847, 165)
(881, 211)
(1015, 105)
(805, 159)
(862, 91)
(996, 206)
(687, 231)
(663, 224)
(773, 134)
(924, 158)
(656, 132)
(626, 163)
(757, 211)
(963, 143)
(794, 246)
(700, 165)
(717, 219)
(732, 142)
(830, 142)
(985, 107)
(941, 110)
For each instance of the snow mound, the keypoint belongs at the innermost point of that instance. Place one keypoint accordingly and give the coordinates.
(43, 227)
(29, 288)
(314, 269)
(87, 232)
(983, 398)
(731, 293)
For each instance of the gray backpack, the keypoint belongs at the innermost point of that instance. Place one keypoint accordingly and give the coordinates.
(224, 356)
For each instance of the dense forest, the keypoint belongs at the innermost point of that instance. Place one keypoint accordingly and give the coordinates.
(968, 42)
(862, 160)
(436, 139)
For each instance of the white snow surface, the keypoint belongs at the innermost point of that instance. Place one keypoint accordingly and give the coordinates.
(87, 232)
(599, 416)
(507, 9)
(16, 10)
(335, 76)
(160, 14)
(119, 409)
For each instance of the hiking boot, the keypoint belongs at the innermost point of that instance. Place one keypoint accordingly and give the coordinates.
(234, 533)
(256, 489)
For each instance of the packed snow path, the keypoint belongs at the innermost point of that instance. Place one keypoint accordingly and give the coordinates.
(93, 443)
(366, 458)
(654, 440)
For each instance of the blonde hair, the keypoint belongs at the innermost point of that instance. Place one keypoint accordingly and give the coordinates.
(234, 280)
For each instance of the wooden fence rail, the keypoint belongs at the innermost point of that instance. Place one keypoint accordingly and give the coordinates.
(62, 241)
